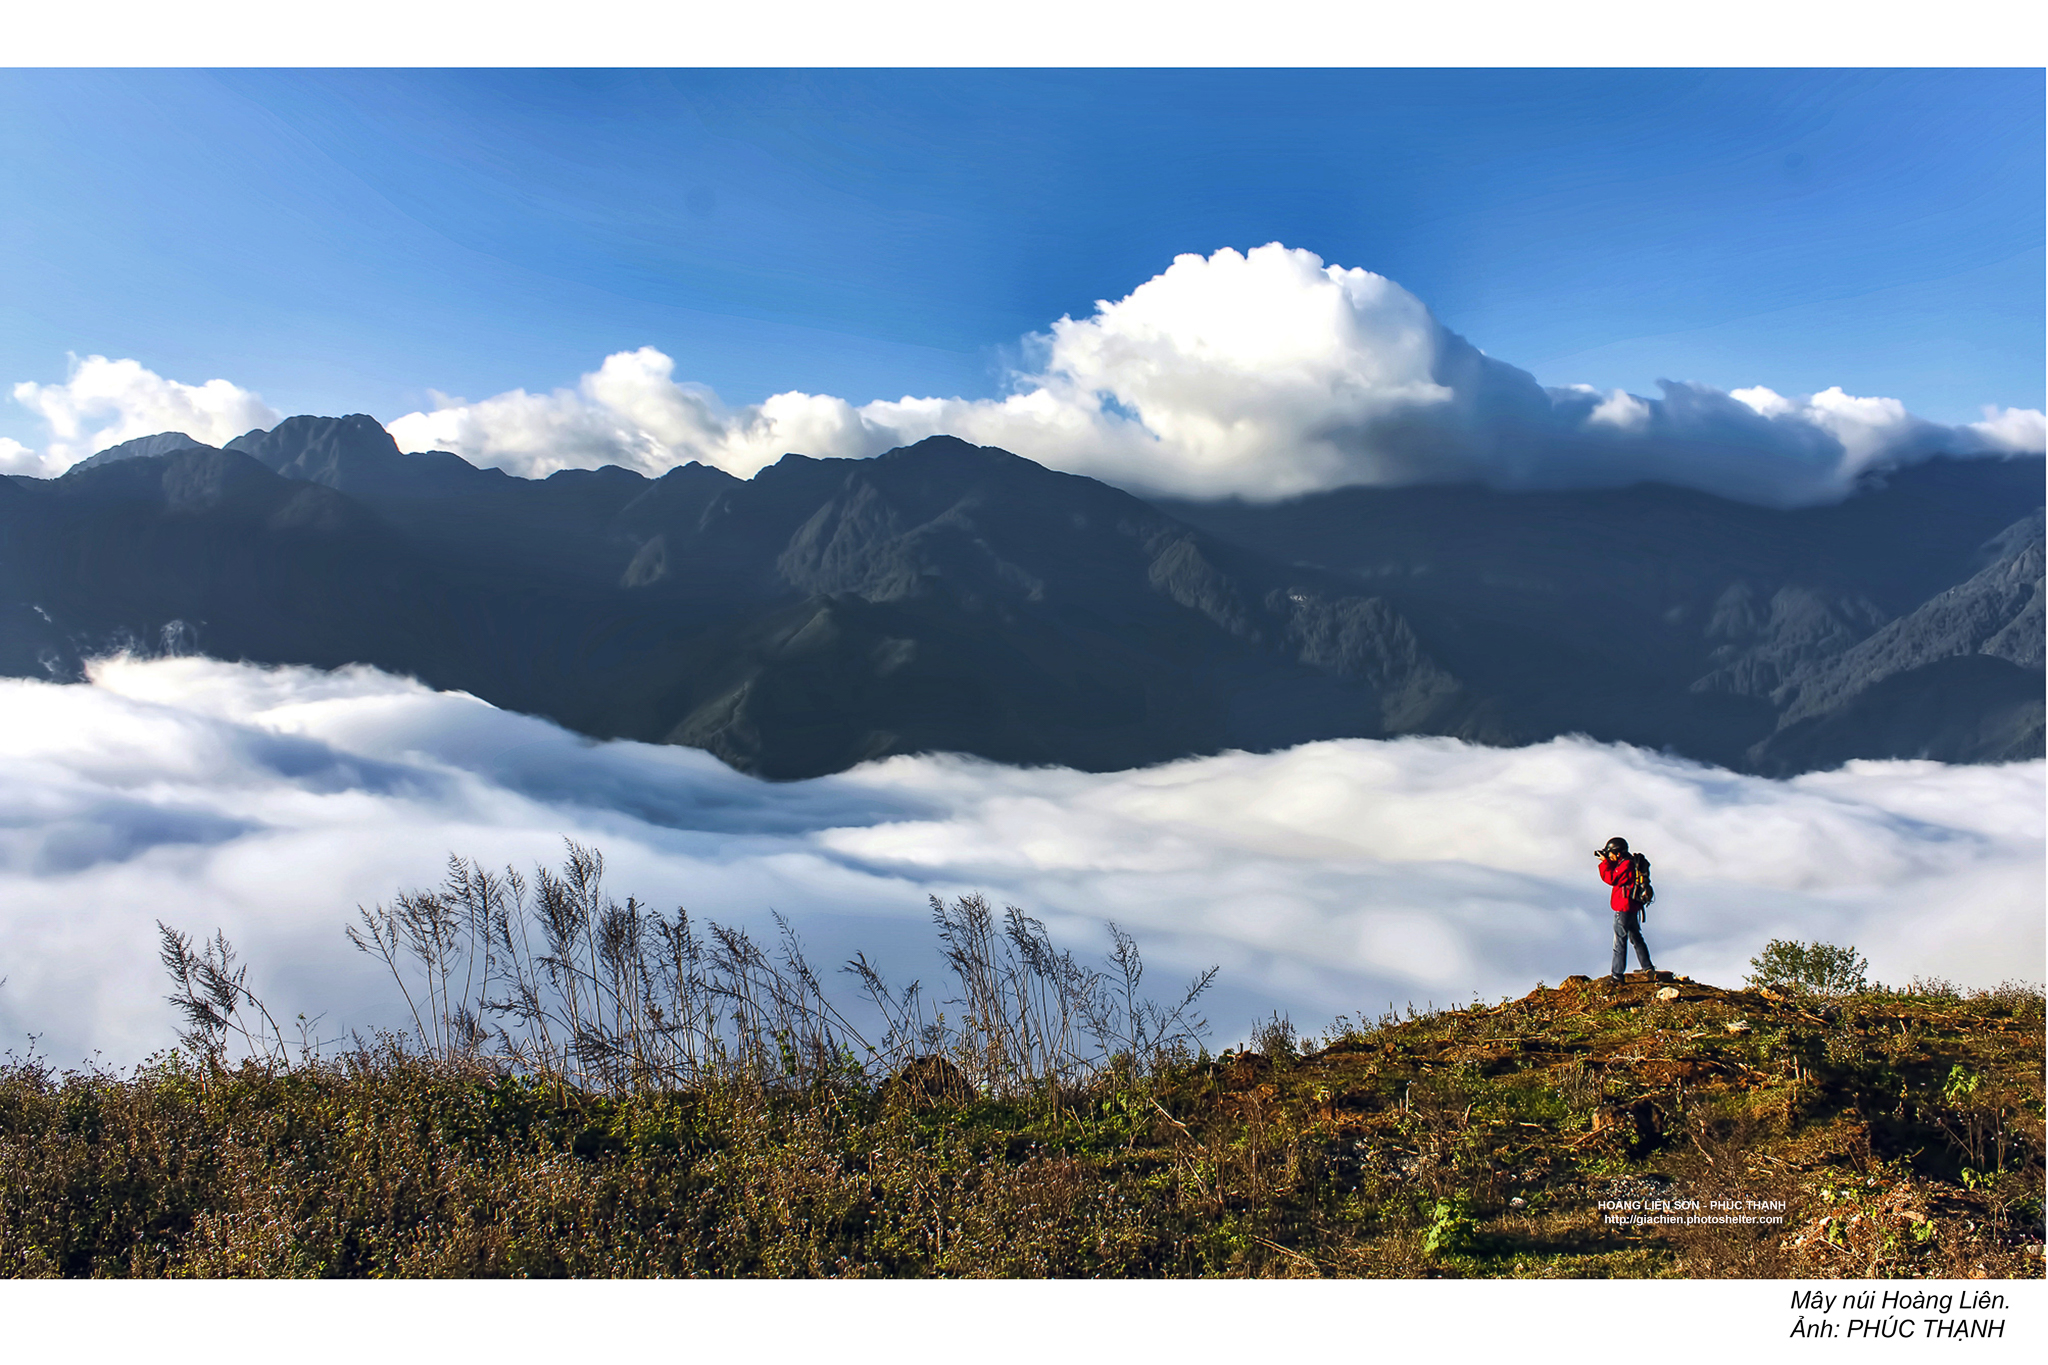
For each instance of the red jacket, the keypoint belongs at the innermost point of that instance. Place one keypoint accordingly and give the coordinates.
(1620, 873)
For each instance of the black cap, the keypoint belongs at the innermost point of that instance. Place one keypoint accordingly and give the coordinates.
(1618, 844)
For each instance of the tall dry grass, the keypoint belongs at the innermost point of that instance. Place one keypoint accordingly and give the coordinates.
(553, 977)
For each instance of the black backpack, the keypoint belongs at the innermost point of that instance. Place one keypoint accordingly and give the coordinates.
(1640, 891)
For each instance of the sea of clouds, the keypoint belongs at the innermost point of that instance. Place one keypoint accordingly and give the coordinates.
(1334, 877)
(1263, 374)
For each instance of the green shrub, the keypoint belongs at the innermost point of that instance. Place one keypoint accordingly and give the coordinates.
(1813, 968)
(1451, 1231)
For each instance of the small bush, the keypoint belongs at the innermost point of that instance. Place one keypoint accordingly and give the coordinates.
(2021, 999)
(1275, 1038)
(1808, 968)
(1451, 1231)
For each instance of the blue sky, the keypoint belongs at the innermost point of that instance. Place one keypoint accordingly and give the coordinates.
(342, 241)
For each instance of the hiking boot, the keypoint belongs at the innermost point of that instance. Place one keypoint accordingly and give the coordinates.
(1616, 981)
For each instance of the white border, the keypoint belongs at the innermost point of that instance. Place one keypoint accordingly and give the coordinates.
(1067, 33)
(1029, 1322)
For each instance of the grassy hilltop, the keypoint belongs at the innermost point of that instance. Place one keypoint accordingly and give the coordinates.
(590, 1089)
(1902, 1131)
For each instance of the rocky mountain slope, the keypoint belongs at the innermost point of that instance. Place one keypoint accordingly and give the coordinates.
(824, 612)
(1902, 622)
(950, 597)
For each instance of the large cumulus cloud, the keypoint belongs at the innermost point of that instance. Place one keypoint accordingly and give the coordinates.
(1333, 877)
(1261, 374)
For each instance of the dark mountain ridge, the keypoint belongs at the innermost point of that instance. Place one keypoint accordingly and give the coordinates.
(944, 596)
(1670, 617)
(827, 611)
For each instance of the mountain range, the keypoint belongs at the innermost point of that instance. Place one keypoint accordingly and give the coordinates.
(945, 596)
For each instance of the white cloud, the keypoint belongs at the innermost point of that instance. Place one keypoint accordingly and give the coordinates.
(1761, 401)
(1623, 411)
(16, 458)
(1262, 374)
(1268, 364)
(632, 412)
(1334, 876)
(2010, 430)
(104, 402)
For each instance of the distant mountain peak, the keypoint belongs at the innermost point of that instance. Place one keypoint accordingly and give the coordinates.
(952, 447)
(354, 454)
(143, 447)
(942, 443)
(295, 439)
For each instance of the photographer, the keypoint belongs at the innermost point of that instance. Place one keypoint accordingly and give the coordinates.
(1618, 868)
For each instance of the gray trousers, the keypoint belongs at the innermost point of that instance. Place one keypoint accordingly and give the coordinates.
(1628, 928)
